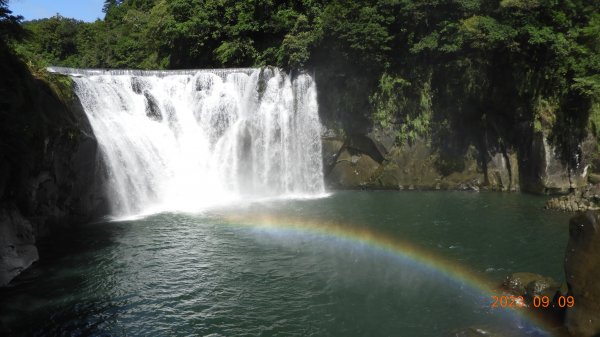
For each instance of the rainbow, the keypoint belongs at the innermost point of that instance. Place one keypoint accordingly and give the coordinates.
(380, 242)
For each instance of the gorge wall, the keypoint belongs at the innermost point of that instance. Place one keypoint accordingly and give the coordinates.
(426, 136)
(50, 175)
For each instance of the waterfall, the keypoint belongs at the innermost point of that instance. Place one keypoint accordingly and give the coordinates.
(187, 140)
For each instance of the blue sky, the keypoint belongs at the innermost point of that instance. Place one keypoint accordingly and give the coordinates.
(86, 10)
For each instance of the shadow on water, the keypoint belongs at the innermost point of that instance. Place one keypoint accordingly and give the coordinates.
(61, 268)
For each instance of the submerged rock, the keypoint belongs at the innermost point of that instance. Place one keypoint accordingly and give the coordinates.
(485, 331)
(582, 269)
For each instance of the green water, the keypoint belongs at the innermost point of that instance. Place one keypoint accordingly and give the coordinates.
(197, 275)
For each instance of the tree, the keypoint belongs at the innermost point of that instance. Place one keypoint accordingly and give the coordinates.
(10, 28)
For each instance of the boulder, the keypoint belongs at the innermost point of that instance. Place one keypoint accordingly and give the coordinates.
(17, 244)
(530, 284)
(352, 170)
(582, 270)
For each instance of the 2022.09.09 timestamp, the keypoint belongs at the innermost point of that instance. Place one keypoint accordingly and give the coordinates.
(509, 301)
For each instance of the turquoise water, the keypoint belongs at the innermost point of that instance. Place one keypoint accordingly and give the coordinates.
(199, 274)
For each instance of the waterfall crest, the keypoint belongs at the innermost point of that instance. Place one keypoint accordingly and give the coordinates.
(187, 140)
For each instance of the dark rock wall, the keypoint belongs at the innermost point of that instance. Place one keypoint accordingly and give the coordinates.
(370, 161)
(50, 169)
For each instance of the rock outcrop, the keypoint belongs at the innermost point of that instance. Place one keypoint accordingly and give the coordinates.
(582, 270)
(51, 172)
(544, 172)
(364, 162)
(374, 161)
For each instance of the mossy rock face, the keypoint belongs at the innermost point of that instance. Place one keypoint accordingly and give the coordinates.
(409, 166)
(543, 172)
(416, 164)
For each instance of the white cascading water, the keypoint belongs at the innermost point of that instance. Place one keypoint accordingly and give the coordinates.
(187, 140)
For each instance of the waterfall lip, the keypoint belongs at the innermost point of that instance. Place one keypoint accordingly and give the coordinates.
(81, 72)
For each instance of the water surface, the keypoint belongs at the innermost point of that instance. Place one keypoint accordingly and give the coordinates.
(176, 274)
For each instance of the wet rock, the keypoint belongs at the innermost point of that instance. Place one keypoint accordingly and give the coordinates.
(152, 107)
(530, 284)
(17, 244)
(582, 270)
(137, 85)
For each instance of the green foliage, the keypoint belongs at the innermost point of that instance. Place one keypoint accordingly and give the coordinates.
(10, 28)
(388, 100)
(397, 104)
(468, 70)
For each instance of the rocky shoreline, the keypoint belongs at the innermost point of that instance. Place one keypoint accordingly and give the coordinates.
(585, 199)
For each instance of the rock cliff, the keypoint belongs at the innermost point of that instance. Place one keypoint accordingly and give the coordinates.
(50, 168)
(372, 161)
